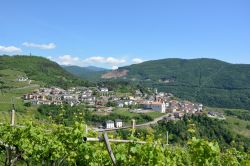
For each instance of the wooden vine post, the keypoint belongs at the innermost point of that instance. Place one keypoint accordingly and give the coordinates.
(167, 137)
(107, 143)
(12, 118)
(104, 138)
(133, 126)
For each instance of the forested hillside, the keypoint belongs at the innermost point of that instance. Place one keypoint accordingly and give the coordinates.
(40, 69)
(90, 73)
(209, 81)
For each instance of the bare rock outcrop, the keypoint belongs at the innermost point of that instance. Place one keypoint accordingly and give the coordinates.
(115, 74)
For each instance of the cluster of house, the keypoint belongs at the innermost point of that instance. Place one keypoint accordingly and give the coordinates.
(159, 102)
(58, 96)
(109, 124)
(164, 103)
(105, 100)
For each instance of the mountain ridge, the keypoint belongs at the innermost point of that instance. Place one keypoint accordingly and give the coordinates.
(91, 73)
(90, 68)
(210, 81)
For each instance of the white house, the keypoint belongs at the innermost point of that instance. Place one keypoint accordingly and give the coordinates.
(109, 124)
(156, 106)
(57, 102)
(66, 97)
(104, 89)
(120, 104)
(22, 79)
(118, 123)
(200, 107)
(45, 102)
(128, 102)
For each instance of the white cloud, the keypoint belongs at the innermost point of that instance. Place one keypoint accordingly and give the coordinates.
(50, 57)
(105, 60)
(114, 67)
(137, 60)
(67, 60)
(10, 49)
(40, 46)
(96, 59)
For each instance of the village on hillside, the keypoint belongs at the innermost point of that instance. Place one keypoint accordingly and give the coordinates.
(105, 100)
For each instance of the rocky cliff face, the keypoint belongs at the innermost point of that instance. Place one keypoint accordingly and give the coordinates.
(115, 74)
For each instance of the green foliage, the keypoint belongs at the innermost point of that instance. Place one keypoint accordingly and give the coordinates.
(64, 114)
(123, 86)
(204, 153)
(67, 115)
(40, 69)
(38, 143)
(99, 119)
(205, 128)
(241, 114)
(60, 145)
(28, 104)
(233, 157)
(235, 119)
(111, 104)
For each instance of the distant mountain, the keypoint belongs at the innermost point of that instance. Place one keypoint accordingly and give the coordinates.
(40, 69)
(210, 81)
(91, 73)
(94, 68)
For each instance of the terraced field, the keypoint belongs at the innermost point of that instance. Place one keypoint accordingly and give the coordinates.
(11, 92)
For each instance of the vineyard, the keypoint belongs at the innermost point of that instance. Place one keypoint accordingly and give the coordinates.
(55, 144)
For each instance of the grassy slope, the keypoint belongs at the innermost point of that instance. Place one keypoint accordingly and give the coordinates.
(11, 95)
(12, 90)
(40, 69)
(23, 113)
(234, 123)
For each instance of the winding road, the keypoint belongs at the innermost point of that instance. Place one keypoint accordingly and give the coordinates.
(139, 125)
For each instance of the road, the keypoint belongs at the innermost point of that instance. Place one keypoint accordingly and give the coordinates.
(27, 87)
(139, 125)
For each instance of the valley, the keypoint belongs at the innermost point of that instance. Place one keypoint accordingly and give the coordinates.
(125, 83)
(100, 102)
(209, 81)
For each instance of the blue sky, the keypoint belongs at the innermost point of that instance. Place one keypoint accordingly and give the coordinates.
(111, 33)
